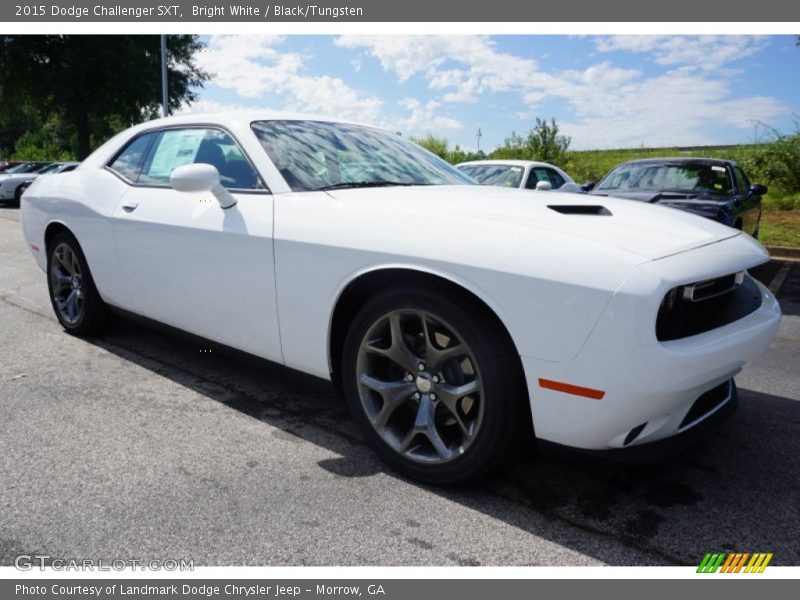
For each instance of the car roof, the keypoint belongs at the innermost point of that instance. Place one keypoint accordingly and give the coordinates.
(509, 163)
(681, 159)
(237, 117)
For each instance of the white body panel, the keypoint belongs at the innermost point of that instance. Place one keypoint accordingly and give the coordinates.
(577, 293)
(181, 261)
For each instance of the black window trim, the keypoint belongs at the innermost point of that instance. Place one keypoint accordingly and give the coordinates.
(736, 169)
(174, 127)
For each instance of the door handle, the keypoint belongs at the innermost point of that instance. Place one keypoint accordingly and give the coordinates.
(130, 205)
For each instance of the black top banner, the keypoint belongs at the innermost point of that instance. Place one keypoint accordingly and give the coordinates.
(402, 11)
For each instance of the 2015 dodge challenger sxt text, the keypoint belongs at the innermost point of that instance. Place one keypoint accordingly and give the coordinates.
(453, 317)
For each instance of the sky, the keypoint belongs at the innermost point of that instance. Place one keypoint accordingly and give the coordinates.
(605, 91)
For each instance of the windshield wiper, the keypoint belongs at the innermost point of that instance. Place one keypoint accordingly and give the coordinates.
(363, 184)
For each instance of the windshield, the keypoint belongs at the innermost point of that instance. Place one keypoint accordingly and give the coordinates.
(317, 155)
(49, 168)
(683, 177)
(501, 175)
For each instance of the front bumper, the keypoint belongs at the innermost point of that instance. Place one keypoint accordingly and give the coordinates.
(649, 386)
(648, 452)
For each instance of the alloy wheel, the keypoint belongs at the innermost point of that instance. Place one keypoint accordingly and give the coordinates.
(420, 386)
(66, 280)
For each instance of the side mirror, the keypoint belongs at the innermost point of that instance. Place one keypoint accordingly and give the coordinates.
(201, 177)
(543, 186)
(758, 190)
(588, 186)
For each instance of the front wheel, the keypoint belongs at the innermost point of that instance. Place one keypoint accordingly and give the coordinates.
(434, 384)
(74, 297)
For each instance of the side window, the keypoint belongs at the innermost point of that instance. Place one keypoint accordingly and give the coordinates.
(742, 183)
(177, 147)
(544, 174)
(533, 179)
(129, 162)
(555, 179)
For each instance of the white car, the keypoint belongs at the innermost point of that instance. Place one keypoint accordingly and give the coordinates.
(453, 317)
(523, 174)
(13, 183)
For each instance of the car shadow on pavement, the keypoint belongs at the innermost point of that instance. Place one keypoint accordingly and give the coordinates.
(737, 491)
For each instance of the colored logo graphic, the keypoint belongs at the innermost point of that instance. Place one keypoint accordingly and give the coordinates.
(734, 562)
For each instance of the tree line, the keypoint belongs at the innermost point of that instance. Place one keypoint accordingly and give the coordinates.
(542, 142)
(63, 95)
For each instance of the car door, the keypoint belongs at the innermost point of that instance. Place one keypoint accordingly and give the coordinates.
(183, 259)
(748, 205)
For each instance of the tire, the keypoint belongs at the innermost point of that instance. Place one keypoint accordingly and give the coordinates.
(73, 295)
(17, 197)
(402, 397)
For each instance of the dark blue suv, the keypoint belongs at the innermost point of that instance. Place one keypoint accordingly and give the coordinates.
(712, 188)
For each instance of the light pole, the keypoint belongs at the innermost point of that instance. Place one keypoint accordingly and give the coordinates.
(479, 139)
(164, 94)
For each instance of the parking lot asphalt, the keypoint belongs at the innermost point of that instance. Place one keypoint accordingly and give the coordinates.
(139, 445)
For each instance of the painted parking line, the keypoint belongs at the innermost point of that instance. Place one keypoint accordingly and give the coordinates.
(777, 281)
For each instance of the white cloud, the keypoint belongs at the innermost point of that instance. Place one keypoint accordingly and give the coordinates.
(612, 106)
(688, 99)
(477, 66)
(676, 108)
(211, 106)
(422, 118)
(252, 66)
(704, 52)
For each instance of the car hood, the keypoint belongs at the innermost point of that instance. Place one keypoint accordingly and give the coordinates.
(646, 230)
(705, 206)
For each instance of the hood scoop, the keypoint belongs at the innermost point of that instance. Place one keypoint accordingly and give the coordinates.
(580, 209)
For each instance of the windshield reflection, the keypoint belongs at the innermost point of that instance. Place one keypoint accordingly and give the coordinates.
(497, 175)
(317, 155)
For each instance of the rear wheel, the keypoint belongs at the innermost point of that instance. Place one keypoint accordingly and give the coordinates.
(17, 196)
(434, 384)
(74, 297)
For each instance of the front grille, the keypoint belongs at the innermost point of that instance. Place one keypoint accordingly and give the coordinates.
(703, 290)
(698, 307)
(707, 402)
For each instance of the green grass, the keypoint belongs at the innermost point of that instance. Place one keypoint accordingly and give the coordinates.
(780, 228)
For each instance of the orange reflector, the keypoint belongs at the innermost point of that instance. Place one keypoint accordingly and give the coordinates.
(575, 390)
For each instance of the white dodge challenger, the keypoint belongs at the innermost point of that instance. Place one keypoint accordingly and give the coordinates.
(454, 318)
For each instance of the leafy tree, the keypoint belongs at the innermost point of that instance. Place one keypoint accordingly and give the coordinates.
(543, 142)
(95, 83)
(546, 144)
(45, 142)
(441, 148)
(775, 162)
(513, 148)
(438, 145)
